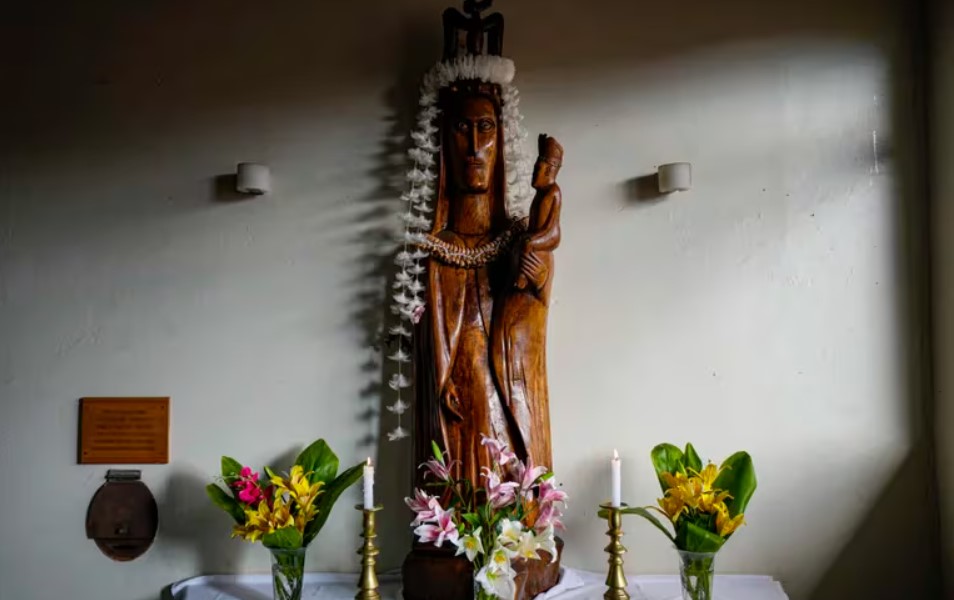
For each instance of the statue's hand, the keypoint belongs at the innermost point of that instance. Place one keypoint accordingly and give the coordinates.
(534, 269)
(451, 401)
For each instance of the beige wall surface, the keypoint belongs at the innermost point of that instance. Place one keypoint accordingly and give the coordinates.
(772, 308)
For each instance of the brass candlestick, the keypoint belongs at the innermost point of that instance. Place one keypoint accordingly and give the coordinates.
(368, 582)
(615, 578)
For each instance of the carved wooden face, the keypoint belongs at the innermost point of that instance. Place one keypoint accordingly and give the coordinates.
(471, 142)
(544, 174)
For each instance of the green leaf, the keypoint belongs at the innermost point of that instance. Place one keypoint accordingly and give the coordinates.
(270, 473)
(667, 459)
(697, 539)
(437, 452)
(320, 461)
(644, 513)
(472, 519)
(329, 496)
(286, 537)
(230, 468)
(693, 462)
(737, 478)
(223, 500)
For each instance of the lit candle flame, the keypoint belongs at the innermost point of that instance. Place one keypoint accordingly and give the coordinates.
(615, 455)
(369, 461)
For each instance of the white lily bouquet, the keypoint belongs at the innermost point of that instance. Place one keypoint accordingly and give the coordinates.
(512, 516)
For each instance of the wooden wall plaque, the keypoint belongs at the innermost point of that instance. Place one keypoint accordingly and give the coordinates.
(124, 431)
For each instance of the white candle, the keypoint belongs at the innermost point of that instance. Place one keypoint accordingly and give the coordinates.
(368, 485)
(617, 483)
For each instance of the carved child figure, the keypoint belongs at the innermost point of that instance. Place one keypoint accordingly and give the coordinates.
(544, 222)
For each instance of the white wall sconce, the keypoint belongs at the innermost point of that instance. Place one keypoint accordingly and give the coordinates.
(674, 177)
(253, 178)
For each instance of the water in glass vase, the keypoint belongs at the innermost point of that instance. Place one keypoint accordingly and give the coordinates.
(288, 572)
(696, 573)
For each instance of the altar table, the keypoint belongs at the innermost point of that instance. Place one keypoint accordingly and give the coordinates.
(574, 585)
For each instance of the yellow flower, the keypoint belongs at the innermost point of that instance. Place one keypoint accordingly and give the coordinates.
(674, 480)
(708, 475)
(725, 524)
(281, 514)
(298, 486)
(266, 519)
(257, 523)
(673, 506)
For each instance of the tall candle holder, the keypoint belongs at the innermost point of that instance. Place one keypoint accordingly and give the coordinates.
(368, 582)
(615, 577)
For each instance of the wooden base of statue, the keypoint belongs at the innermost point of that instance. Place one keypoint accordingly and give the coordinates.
(431, 573)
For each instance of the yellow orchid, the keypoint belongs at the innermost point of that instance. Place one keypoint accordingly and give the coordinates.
(673, 506)
(726, 524)
(707, 476)
(692, 493)
(298, 486)
(258, 522)
(265, 519)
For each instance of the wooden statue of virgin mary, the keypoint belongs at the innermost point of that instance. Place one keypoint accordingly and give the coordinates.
(475, 280)
(478, 283)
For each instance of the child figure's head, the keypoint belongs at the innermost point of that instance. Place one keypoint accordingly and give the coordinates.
(548, 162)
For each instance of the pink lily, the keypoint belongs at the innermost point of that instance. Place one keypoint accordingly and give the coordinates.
(549, 516)
(499, 451)
(499, 493)
(437, 469)
(443, 529)
(528, 474)
(425, 506)
(550, 494)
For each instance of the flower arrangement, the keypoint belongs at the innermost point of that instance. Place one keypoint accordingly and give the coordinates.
(284, 512)
(704, 505)
(512, 515)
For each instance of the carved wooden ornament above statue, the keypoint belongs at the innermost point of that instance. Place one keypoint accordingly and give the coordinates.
(476, 265)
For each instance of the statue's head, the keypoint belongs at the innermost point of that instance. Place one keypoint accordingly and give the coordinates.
(472, 137)
(548, 163)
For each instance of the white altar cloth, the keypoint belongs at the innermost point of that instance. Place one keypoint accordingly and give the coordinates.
(574, 585)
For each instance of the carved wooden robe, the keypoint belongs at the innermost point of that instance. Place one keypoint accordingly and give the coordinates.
(481, 364)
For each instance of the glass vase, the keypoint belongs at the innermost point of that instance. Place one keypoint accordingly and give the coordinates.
(288, 572)
(696, 573)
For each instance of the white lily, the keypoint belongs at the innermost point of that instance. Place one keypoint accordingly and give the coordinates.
(546, 541)
(499, 583)
(509, 533)
(470, 545)
(500, 559)
(527, 546)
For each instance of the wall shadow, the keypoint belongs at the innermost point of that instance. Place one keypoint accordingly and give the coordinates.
(643, 190)
(887, 558)
(378, 237)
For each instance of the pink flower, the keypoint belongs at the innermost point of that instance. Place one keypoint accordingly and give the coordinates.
(417, 314)
(549, 494)
(438, 469)
(528, 474)
(247, 486)
(499, 451)
(425, 506)
(443, 529)
(250, 494)
(549, 516)
(499, 493)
